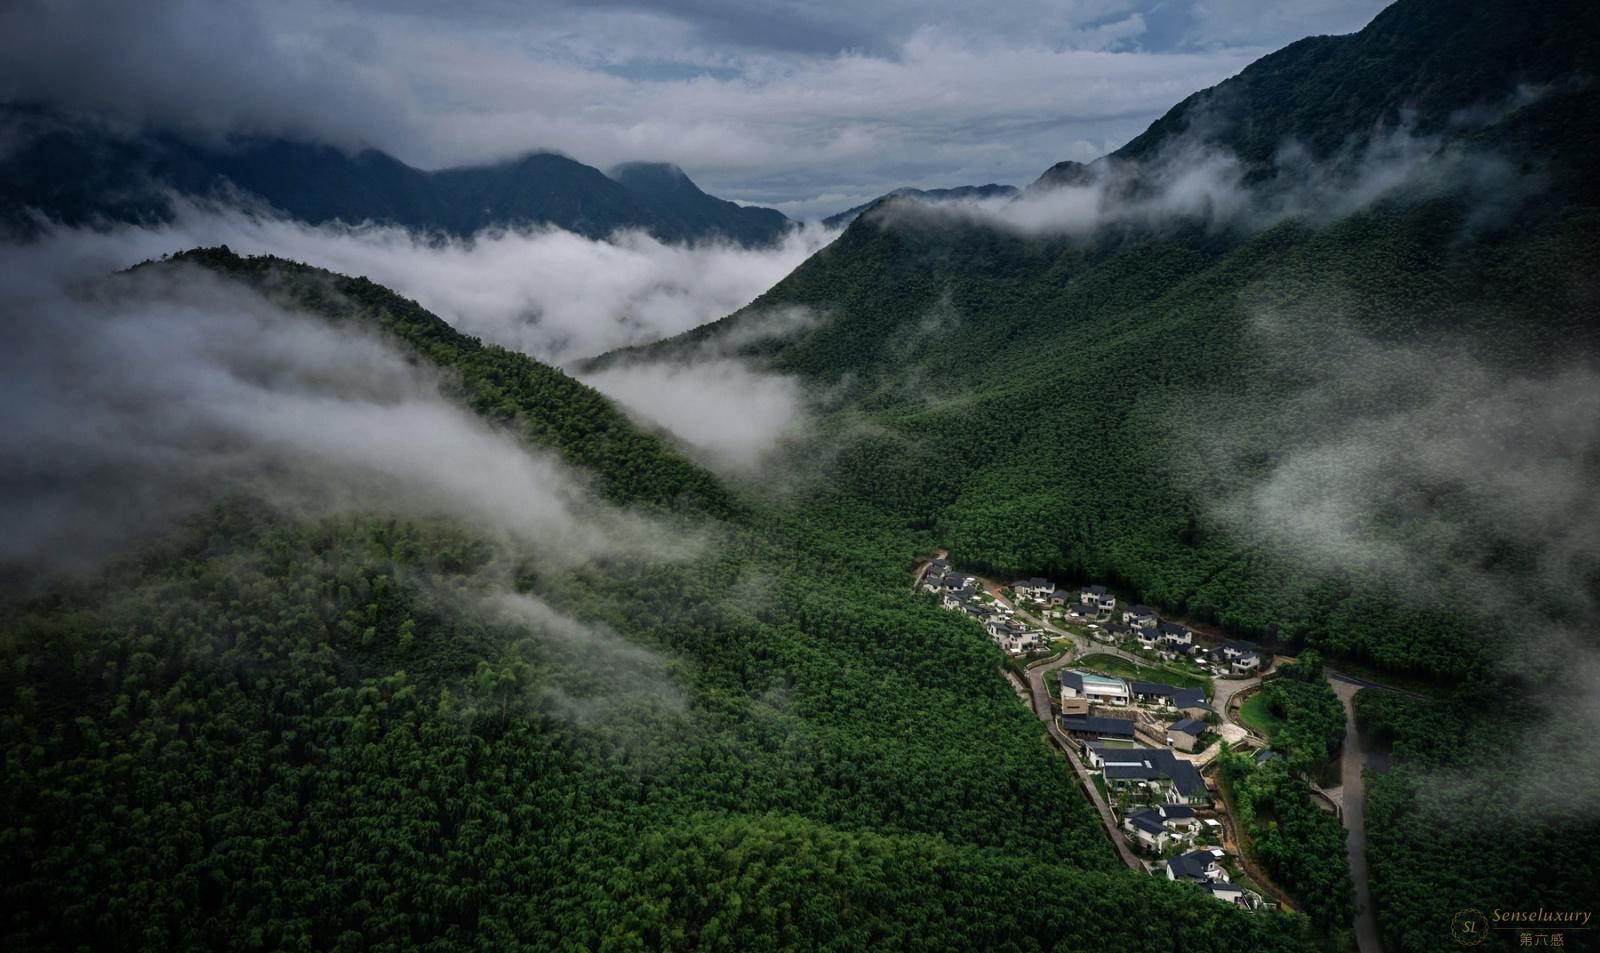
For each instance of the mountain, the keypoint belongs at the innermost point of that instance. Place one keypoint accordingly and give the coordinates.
(391, 729)
(990, 191)
(672, 196)
(1427, 65)
(80, 172)
(1358, 423)
(1302, 371)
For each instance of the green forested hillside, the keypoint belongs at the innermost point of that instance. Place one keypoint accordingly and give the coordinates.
(357, 731)
(1422, 63)
(1454, 822)
(1352, 432)
(545, 405)
(1047, 407)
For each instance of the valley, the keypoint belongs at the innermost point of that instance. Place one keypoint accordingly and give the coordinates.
(486, 551)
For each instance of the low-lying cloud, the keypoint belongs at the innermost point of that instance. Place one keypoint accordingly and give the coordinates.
(1197, 181)
(126, 403)
(1430, 475)
(1427, 467)
(725, 408)
(604, 680)
(545, 292)
(721, 401)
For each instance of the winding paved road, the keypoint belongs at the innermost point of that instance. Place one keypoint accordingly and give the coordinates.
(1354, 815)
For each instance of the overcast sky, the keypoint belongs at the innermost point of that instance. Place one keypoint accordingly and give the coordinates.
(810, 107)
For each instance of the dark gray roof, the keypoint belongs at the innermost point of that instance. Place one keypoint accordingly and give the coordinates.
(1172, 629)
(1100, 726)
(1175, 811)
(1153, 763)
(1152, 688)
(1241, 645)
(1148, 821)
(1118, 628)
(1184, 776)
(1133, 772)
(1190, 698)
(1142, 610)
(1095, 590)
(1073, 680)
(1190, 726)
(1191, 866)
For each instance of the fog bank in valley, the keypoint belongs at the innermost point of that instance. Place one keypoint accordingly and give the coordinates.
(130, 401)
(552, 294)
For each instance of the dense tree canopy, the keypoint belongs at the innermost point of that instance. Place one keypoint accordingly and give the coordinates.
(284, 732)
(1300, 844)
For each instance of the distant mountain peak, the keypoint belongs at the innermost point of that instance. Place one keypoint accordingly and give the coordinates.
(78, 171)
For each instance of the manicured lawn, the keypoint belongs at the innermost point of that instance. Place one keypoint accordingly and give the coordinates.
(1122, 668)
(1100, 785)
(1254, 714)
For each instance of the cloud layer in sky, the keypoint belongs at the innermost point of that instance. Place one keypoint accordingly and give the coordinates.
(811, 109)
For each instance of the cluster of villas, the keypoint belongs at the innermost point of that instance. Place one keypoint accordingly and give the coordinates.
(963, 594)
(1164, 788)
(1080, 690)
(1171, 789)
(1095, 606)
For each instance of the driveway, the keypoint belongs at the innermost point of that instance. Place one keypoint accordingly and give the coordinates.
(1232, 729)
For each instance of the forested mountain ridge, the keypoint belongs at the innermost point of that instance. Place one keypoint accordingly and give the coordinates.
(78, 172)
(365, 731)
(1145, 337)
(1432, 64)
(1315, 362)
(546, 405)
